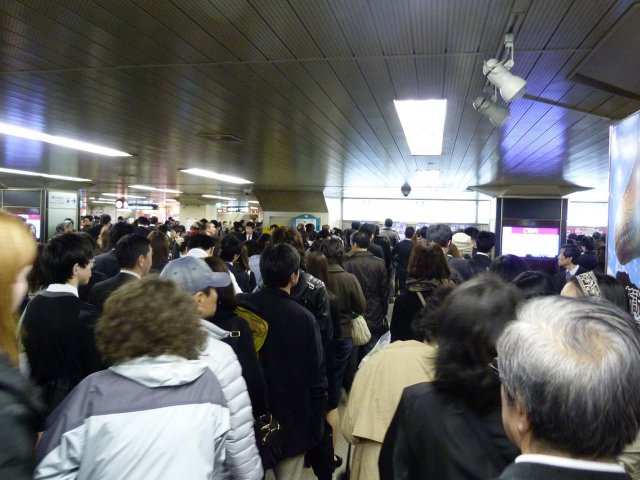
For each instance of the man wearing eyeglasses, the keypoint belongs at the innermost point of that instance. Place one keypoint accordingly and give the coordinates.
(570, 389)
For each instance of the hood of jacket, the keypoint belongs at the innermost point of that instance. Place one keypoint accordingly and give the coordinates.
(161, 371)
(213, 330)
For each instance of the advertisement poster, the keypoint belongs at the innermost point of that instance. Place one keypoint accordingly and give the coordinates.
(623, 240)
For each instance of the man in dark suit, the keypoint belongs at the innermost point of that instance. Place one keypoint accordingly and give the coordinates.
(581, 410)
(376, 250)
(134, 258)
(402, 251)
(480, 261)
(107, 263)
(249, 233)
(589, 257)
(568, 260)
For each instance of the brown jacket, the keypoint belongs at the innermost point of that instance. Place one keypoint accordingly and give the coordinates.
(351, 300)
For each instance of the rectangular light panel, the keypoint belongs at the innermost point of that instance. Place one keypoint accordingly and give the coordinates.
(216, 176)
(219, 197)
(44, 175)
(30, 134)
(423, 124)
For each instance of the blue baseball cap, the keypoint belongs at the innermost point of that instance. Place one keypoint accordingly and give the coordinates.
(194, 275)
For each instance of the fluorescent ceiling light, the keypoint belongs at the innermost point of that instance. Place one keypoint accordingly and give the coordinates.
(119, 195)
(426, 177)
(423, 124)
(92, 198)
(22, 132)
(154, 189)
(173, 200)
(252, 201)
(219, 198)
(217, 176)
(102, 201)
(44, 175)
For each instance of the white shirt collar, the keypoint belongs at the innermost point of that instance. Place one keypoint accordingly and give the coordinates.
(574, 270)
(124, 270)
(63, 288)
(482, 253)
(570, 463)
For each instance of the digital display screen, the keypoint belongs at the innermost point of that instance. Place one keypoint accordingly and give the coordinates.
(33, 219)
(533, 241)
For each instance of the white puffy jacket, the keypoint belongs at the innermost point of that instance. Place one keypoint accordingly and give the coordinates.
(242, 457)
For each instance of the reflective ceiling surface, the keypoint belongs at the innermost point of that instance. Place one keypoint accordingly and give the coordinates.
(306, 85)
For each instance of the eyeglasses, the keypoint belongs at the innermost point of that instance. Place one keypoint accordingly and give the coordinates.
(494, 366)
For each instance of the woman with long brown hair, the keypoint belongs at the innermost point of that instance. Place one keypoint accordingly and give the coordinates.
(21, 409)
(427, 270)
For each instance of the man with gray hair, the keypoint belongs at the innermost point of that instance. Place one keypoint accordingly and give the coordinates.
(570, 372)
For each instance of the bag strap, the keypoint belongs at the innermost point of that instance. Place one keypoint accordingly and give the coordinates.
(422, 300)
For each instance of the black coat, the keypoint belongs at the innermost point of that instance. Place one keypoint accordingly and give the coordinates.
(20, 418)
(433, 436)
(245, 278)
(372, 276)
(241, 340)
(376, 250)
(293, 362)
(538, 471)
(403, 251)
(406, 308)
(101, 291)
(560, 279)
(385, 245)
(479, 263)
(589, 260)
(312, 293)
(107, 263)
(459, 267)
(57, 333)
(85, 290)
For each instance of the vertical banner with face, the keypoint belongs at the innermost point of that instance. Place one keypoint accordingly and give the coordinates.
(623, 241)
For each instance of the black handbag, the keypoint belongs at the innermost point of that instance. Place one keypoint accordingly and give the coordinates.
(269, 439)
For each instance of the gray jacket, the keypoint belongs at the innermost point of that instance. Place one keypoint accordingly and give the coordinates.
(151, 417)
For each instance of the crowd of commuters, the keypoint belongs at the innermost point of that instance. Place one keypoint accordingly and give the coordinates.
(149, 350)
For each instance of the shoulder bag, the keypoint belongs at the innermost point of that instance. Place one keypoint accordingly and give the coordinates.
(360, 333)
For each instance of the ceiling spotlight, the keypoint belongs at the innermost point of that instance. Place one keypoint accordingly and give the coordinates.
(511, 86)
(497, 115)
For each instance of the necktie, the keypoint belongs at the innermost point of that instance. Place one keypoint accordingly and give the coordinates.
(568, 275)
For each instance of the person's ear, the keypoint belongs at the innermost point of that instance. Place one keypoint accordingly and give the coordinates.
(199, 297)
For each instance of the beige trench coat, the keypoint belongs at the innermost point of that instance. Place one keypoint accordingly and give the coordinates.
(375, 395)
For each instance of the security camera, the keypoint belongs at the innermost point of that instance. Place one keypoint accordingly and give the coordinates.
(247, 191)
(405, 189)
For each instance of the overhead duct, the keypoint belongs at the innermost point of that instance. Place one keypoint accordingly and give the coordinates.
(612, 65)
(537, 189)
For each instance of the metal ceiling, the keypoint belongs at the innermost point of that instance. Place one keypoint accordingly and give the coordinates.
(308, 85)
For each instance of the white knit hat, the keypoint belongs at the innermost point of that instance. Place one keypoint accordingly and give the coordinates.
(463, 242)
